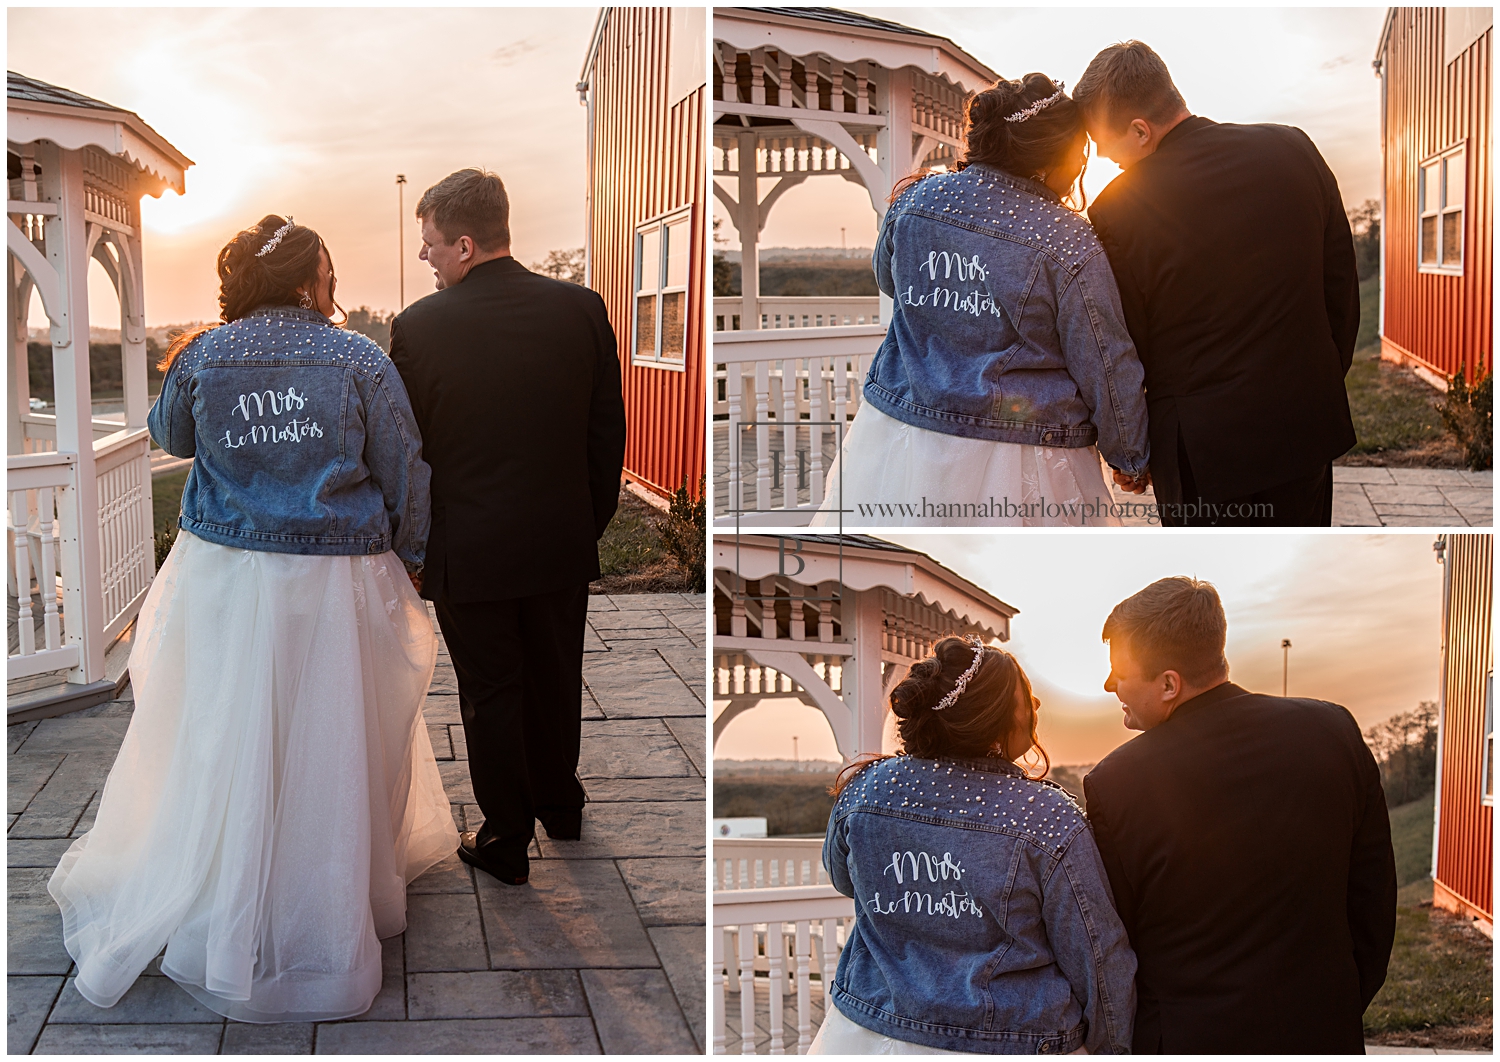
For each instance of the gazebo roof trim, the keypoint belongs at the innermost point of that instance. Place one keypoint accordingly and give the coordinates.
(845, 18)
(140, 144)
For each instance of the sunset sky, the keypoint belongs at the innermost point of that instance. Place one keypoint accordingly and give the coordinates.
(313, 113)
(1362, 612)
(1308, 67)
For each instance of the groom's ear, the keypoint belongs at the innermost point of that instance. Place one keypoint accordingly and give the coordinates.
(1171, 683)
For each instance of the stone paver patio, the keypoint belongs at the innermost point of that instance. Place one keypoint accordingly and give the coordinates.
(1412, 497)
(602, 951)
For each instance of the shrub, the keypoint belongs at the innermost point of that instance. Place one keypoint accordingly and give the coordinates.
(164, 541)
(684, 533)
(1466, 412)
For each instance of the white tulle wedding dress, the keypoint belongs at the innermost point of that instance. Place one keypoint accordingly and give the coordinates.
(276, 790)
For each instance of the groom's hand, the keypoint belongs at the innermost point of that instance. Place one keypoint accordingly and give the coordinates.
(416, 580)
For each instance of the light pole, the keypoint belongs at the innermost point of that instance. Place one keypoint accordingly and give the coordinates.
(1286, 645)
(401, 234)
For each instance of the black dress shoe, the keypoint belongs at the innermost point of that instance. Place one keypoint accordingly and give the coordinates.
(563, 825)
(511, 868)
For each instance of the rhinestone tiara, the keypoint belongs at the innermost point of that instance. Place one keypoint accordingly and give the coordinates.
(1035, 108)
(963, 680)
(276, 238)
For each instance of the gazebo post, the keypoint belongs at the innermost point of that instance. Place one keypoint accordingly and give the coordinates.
(67, 254)
(749, 223)
(17, 366)
(862, 673)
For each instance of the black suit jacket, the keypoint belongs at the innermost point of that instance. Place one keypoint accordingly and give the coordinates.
(1248, 847)
(1236, 271)
(515, 382)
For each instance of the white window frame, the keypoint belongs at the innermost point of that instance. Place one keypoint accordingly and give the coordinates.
(1487, 774)
(655, 357)
(1454, 154)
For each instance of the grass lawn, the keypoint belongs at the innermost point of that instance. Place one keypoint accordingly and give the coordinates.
(1395, 417)
(166, 499)
(1438, 989)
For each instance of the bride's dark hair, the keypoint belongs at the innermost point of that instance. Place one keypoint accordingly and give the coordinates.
(970, 728)
(1021, 149)
(249, 280)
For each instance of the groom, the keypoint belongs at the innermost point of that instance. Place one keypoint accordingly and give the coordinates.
(1236, 270)
(515, 382)
(1246, 841)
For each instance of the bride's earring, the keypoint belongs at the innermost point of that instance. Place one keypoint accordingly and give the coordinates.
(306, 301)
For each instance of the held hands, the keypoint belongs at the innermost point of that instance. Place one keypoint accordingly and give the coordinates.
(1132, 484)
(416, 580)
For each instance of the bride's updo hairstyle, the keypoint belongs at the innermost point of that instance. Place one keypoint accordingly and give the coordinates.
(249, 279)
(1026, 148)
(1023, 149)
(976, 724)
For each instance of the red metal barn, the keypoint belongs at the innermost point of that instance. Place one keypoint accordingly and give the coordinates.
(1463, 852)
(1438, 194)
(644, 84)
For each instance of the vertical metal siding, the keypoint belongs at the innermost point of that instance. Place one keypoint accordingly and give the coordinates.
(648, 159)
(1444, 321)
(1465, 852)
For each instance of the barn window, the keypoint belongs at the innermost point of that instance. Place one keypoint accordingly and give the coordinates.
(662, 247)
(1442, 185)
(1489, 739)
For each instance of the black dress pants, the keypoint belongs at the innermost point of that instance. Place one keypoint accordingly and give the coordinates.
(519, 664)
(1303, 502)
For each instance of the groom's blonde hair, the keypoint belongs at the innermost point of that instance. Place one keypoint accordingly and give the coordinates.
(1175, 624)
(470, 203)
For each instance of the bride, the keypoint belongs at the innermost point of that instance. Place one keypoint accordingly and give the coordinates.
(276, 790)
(1007, 359)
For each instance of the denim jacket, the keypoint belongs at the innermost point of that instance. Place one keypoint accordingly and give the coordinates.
(302, 437)
(983, 917)
(1007, 322)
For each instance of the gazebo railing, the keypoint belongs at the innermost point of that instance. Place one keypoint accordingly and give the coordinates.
(798, 311)
(778, 441)
(767, 863)
(795, 934)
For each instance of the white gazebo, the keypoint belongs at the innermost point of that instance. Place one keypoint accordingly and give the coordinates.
(78, 486)
(803, 93)
(834, 621)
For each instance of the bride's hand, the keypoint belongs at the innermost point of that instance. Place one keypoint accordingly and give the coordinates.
(1132, 484)
(416, 580)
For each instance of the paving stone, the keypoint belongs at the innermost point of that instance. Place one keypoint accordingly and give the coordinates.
(1361, 474)
(662, 636)
(56, 809)
(625, 749)
(17, 733)
(1436, 477)
(574, 913)
(487, 1036)
(592, 643)
(456, 781)
(681, 949)
(27, 1001)
(1467, 496)
(116, 709)
(444, 680)
(1409, 494)
(1410, 521)
(636, 830)
(635, 1013)
(688, 664)
(591, 708)
(25, 776)
(441, 708)
(282, 1038)
(36, 853)
(442, 748)
(451, 875)
(690, 733)
(158, 1000)
(33, 926)
(653, 601)
(1478, 479)
(496, 994)
(637, 684)
(390, 1001)
(86, 820)
(667, 892)
(601, 603)
(1436, 515)
(201, 1039)
(1351, 508)
(459, 740)
(612, 790)
(607, 623)
(443, 932)
(70, 734)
